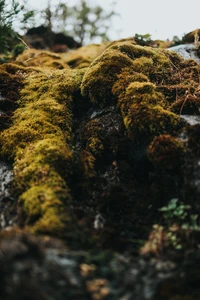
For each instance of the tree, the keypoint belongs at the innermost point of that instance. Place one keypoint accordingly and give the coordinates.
(10, 11)
(83, 22)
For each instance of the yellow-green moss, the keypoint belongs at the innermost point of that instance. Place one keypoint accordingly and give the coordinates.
(92, 137)
(145, 82)
(144, 120)
(40, 142)
(190, 36)
(84, 56)
(127, 76)
(41, 58)
(140, 92)
(99, 82)
(100, 77)
(46, 204)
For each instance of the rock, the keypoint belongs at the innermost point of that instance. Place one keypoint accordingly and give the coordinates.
(187, 51)
(42, 37)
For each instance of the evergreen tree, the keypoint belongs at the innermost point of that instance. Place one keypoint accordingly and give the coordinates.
(10, 11)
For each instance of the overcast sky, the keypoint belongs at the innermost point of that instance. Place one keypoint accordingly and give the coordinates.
(162, 19)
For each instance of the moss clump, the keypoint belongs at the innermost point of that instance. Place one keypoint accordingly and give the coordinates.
(145, 82)
(127, 76)
(44, 208)
(166, 152)
(92, 138)
(100, 77)
(83, 56)
(187, 105)
(190, 36)
(140, 93)
(11, 81)
(145, 120)
(41, 58)
(39, 141)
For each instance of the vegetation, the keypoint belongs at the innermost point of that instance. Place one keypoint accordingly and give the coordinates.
(88, 127)
(9, 12)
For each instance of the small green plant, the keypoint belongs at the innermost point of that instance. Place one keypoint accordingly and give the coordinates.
(143, 39)
(180, 223)
(175, 211)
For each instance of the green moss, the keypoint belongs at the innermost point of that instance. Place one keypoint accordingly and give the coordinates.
(41, 58)
(84, 56)
(92, 137)
(41, 161)
(145, 120)
(100, 81)
(140, 92)
(166, 152)
(44, 207)
(144, 82)
(40, 141)
(127, 76)
(100, 77)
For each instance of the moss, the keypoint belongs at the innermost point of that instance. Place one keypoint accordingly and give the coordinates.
(11, 81)
(166, 152)
(45, 110)
(127, 76)
(190, 36)
(83, 56)
(100, 77)
(145, 120)
(100, 81)
(140, 92)
(41, 58)
(39, 162)
(40, 141)
(92, 138)
(44, 208)
(145, 82)
(187, 105)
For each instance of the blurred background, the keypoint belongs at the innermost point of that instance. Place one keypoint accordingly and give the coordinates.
(162, 19)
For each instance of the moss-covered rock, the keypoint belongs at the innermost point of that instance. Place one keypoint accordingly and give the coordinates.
(84, 56)
(101, 76)
(41, 58)
(144, 82)
(40, 142)
(99, 132)
(148, 120)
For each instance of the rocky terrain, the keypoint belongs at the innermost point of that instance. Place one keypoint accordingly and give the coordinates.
(100, 173)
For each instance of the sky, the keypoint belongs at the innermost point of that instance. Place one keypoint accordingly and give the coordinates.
(162, 19)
